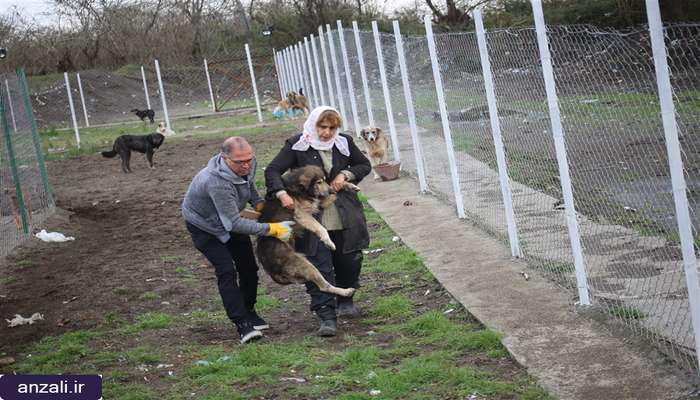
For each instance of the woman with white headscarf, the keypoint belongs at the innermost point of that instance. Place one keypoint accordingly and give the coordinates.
(336, 153)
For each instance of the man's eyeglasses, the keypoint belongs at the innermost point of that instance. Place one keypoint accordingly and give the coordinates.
(241, 162)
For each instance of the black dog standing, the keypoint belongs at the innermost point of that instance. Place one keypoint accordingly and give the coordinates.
(125, 144)
(145, 113)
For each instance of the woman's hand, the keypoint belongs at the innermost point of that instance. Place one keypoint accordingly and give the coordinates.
(338, 182)
(287, 201)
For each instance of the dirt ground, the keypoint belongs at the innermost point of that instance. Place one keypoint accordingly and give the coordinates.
(130, 236)
(130, 239)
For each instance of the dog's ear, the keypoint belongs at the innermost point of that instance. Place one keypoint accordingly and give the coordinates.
(379, 131)
(364, 132)
(294, 181)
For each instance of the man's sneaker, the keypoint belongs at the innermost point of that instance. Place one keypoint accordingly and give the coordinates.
(346, 308)
(247, 332)
(257, 322)
(327, 328)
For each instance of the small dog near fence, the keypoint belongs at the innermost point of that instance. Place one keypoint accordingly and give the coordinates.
(377, 145)
(164, 130)
(145, 113)
(293, 102)
(125, 144)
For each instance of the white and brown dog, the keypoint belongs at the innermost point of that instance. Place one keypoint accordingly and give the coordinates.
(164, 130)
(377, 145)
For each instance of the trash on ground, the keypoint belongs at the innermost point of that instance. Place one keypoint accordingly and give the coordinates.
(20, 320)
(74, 298)
(53, 236)
(395, 239)
(407, 203)
(449, 310)
(375, 251)
(293, 379)
(525, 275)
(375, 392)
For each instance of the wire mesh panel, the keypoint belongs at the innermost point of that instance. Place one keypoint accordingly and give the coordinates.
(530, 154)
(437, 169)
(468, 116)
(621, 179)
(25, 196)
(398, 102)
(111, 95)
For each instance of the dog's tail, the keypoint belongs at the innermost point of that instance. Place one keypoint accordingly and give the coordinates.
(109, 154)
(301, 91)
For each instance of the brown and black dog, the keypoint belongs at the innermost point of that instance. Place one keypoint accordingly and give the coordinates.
(294, 101)
(311, 193)
(125, 144)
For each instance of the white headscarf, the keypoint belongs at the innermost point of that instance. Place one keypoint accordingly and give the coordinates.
(310, 137)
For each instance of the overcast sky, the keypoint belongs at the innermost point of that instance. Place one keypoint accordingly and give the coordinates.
(42, 8)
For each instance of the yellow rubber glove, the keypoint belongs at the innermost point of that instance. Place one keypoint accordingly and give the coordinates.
(281, 230)
(259, 207)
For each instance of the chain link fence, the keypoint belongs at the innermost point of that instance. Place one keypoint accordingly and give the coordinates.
(109, 96)
(615, 145)
(25, 195)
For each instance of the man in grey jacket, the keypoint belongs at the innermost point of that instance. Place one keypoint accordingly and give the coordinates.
(211, 209)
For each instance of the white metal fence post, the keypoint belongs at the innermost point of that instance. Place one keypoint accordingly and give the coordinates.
(385, 91)
(82, 100)
(304, 80)
(211, 92)
(162, 95)
(290, 72)
(319, 81)
(12, 109)
(680, 197)
(278, 71)
(329, 83)
(72, 110)
(447, 133)
(497, 139)
(348, 78)
(560, 145)
(363, 73)
(417, 152)
(252, 80)
(336, 74)
(145, 88)
(283, 71)
(310, 70)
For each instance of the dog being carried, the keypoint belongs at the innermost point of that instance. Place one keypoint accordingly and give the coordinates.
(311, 193)
(125, 144)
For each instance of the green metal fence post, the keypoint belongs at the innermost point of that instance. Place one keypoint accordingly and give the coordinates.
(35, 135)
(13, 165)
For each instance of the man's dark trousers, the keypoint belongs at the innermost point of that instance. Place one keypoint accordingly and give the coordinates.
(227, 258)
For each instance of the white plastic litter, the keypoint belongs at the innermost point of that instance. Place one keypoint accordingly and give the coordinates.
(53, 236)
(20, 320)
(375, 392)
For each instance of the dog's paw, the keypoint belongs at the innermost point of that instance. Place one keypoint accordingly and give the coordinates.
(347, 292)
(328, 242)
(351, 187)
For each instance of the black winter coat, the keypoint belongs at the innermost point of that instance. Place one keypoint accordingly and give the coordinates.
(355, 234)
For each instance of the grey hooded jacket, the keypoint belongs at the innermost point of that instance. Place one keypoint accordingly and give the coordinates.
(215, 198)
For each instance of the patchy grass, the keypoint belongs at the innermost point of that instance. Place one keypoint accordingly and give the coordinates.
(59, 144)
(626, 312)
(149, 296)
(403, 347)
